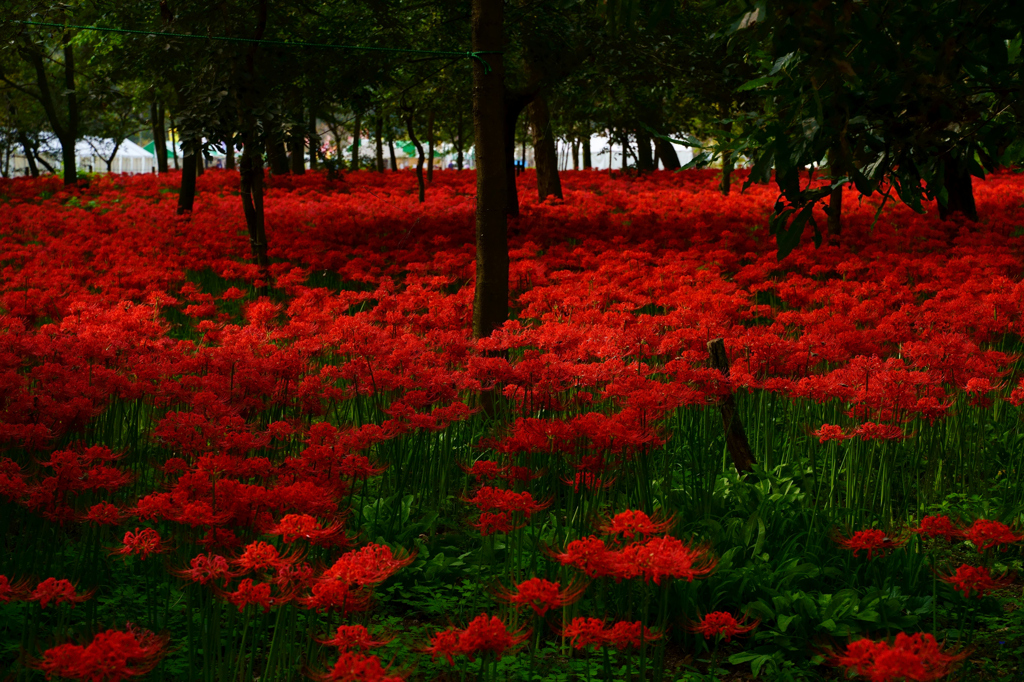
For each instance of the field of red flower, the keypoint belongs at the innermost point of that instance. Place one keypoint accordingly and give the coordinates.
(201, 483)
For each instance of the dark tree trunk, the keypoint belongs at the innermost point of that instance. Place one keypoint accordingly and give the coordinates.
(30, 153)
(419, 155)
(644, 158)
(490, 302)
(548, 182)
(430, 146)
(668, 155)
(251, 169)
(391, 151)
(314, 139)
(378, 137)
(66, 132)
(187, 194)
(728, 164)
(297, 151)
(459, 160)
(277, 157)
(588, 161)
(156, 116)
(200, 164)
(576, 154)
(959, 190)
(229, 154)
(357, 129)
(514, 105)
(174, 144)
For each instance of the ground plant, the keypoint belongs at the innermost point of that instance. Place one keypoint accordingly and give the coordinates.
(215, 472)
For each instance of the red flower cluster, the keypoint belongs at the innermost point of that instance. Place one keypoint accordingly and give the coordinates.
(872, 540)
(541, 595)
(591, 632)
(112, 656)
(483, 635)
(938, 527)
(722, 624)
(653, 560)
(974, 579)
(986, 533)
(916, 657)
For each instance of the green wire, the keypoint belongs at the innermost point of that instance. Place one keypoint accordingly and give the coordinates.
(280, 43)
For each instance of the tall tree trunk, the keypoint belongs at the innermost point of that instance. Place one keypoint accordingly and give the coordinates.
(174, 144)
(314, 138)
(959, 190)
(490, 301)
(187, 194)
(30, 153)
(667, 153)
(514, 105)
(297, 149)
(70, 139)
(229, 154)
(156, 116)
(588, 161)
(576, 154)
(357, 131)
(66, 132)
(419, 155)
(277, 157)
(728, 165)
(378, 138)
(430, 145)
(644, 158)
(836, 171)
(548, 182)
(251, 169)
(200, 164)
(391, 151)
(459, 160)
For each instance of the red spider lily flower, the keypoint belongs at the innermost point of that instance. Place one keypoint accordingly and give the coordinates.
(589, 555)
(369, 565)
(292, 527)
(830, 432)
(261, 557)
(354, 636)
(586, 480)
(583, 632)
(976, 579)
(142, 543)
(489, 635)
(664, 557)
(916, 657)
(986, 533)
(484, 469)
(938, 527)
(488, 498)
(330, 594)
(249, 592)
(871, 540)
(112, 656)
(12, 591)
(540, 595)
(104, 514)
(355, 667)
(359, 466)
(490, 523)
(444, 643)
(724, 624)
(632, 523)
(206, 568)
(625, 634)
(58, 591)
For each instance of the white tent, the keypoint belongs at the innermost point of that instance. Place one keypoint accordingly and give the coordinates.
(91, 154)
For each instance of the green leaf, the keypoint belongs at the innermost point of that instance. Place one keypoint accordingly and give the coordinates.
(785, 620)
(758, 82)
